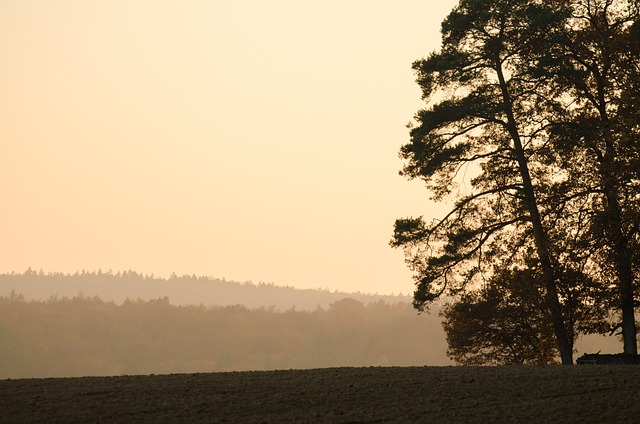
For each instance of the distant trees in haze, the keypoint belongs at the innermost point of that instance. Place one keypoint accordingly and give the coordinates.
(532, 128)
(87, 336)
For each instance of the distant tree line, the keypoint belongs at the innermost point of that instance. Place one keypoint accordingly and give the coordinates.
(181, 289)
(88, 336)
(531, 129)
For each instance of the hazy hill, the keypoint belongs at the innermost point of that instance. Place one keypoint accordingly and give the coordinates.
(181, 290)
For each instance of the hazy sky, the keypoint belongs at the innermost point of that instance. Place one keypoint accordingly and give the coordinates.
(251, 140)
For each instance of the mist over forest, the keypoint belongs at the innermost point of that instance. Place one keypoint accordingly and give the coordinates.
(57, 325)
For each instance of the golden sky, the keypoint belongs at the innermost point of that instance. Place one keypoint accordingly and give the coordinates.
(246, 139)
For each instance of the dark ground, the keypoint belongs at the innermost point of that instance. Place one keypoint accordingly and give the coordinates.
(558, 394)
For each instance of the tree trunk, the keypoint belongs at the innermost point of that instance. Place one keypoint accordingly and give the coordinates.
(622, 259)
(565, 344)
(614, 229)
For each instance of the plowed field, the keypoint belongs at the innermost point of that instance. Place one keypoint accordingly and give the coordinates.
(581, 393)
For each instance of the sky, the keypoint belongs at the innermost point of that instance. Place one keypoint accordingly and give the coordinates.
(245, 139)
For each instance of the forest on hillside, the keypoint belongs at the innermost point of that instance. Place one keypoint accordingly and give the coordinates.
(181, 290)
(88, 336)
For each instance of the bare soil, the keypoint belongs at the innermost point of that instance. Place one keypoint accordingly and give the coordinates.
(515, 394)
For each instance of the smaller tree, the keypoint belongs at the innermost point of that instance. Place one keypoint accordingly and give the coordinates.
(507, 321)
(500, 325)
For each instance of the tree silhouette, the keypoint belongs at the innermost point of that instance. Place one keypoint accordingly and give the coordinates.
(483, 117)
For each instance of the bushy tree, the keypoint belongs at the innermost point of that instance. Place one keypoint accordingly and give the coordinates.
(507, 321)
(503, 323)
